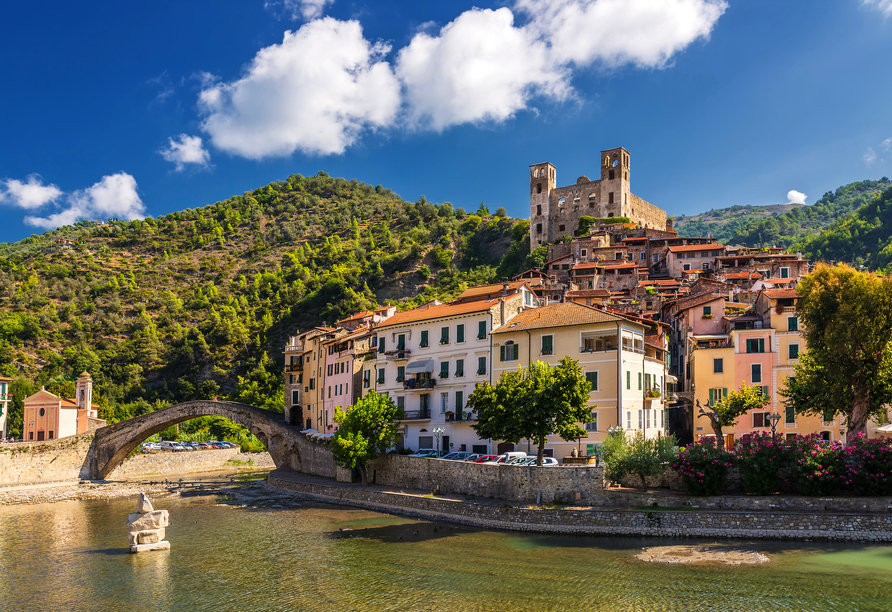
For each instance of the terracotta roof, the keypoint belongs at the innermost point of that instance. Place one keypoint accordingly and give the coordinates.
(557, 315)
(630, 264)
(697, 247)
(568, 255)
(778, 281)
(780, 294)
(591, 264)
(697, 299)
(635, 239)
(753, 275)
(484, 290)
(666, 283)
(358, 315)
(589, 293)
(745, 317)
(428, 312)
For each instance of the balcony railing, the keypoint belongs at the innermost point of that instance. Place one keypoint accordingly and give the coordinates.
(397, 355)
(414, 384)
(293, 367)
(415, 415)
(294, 345)
(462, 416)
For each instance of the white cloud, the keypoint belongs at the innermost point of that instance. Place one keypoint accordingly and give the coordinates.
(796, 197)
(887, 144)
(613, 33)
(297, 9)
(114, 196)
(480, 67)
(316, 92)
(870, 156)
(883, 6)
(186, 150)
(29, 195)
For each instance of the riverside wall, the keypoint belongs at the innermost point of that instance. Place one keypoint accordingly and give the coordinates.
(63, 460)
(600, 521)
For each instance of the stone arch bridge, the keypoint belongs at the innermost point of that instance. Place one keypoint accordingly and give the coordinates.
(285, 444)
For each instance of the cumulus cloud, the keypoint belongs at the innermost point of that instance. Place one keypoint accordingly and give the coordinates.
(31, 194)
(325, 84)
(114, 196)
(887, 144)
(298, 9)
(316, 92)
(186, 150)
(870, 156)
(479, 67)
(883, 6)
(796, 197)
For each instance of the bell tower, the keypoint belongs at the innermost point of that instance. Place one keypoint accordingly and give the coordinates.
(84, 392)
(543, 179)
(615, 192)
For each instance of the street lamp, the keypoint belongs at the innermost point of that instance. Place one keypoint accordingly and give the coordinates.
(613, 430)
(773, 419)
(438, 431)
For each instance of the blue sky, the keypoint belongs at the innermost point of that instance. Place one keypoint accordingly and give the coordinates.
(139, 109)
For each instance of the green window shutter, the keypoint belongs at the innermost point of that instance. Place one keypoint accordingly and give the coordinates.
(501, 353)
(793, 324)
(400, 374)
(481, 365)
(712, 397)
(761, 345)
(444, 369)
(460, 333)
(749, 346)
(785, 272)
(639, 381)
(444, 335)
(794, 351)
(424, 341)
(459, 400)
(765, 391)
(401, 342)
(628, 380)
(381, 376)
(381, 344)
(790, 415)
(707, 310)
(516, 352)
(592, 378)
(547, 345)
(481, 330)
(459, 367)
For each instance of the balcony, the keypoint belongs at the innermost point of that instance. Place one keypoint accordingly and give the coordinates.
(462, 416)
(294, 367)
(419, 384)
(294, 345)
(415, 415)
(397, 355)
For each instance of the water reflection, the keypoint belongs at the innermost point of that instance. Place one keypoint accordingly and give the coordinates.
(72, 556)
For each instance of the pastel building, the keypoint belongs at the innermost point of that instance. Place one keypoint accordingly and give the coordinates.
(626, 368)
(48, 416)
(4, 404)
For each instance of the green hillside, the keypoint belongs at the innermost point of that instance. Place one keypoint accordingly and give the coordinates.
(200, 302)
(780, 225)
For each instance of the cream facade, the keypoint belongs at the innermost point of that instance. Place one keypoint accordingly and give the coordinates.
(4, 405)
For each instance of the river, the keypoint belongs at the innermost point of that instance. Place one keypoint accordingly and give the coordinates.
(73, 556)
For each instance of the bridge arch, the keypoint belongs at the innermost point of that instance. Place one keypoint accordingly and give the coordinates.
(112, 444)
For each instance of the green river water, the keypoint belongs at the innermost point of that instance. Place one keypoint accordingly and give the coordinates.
(72, 556)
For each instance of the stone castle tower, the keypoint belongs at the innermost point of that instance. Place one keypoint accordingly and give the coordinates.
(555, 211)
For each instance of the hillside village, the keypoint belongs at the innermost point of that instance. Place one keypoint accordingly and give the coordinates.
(660, 323)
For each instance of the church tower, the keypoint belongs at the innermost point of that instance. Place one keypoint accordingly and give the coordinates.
(543, 179)
(615, 193)
(84, 393)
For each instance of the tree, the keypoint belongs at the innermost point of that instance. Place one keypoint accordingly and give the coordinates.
(847, 322)
(533, 403)
(726, 410)
(365, 430)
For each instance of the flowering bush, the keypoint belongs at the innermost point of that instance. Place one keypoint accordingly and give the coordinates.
(703, 467)
(760, 457)
(818, 465)
(868, 466)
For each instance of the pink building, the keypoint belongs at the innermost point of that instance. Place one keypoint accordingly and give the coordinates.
(48, 416)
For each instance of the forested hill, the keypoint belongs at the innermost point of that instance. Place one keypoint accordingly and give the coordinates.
(199, 303)
(781, 225)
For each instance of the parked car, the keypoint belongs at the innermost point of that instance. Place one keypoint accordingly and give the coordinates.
(456, 456)
(229, 444)
(425, 453)
(505, 457)
(473, 458)
(168, 445)
(486, 459)
(148, 447)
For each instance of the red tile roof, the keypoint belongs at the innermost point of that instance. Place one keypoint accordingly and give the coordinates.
(557, 315)
(697, 247)
(780, 294)
(753, 275)
(429, 312)
(485, 290)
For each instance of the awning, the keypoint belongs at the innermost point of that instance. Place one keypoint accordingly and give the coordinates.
(671, 379)
(418, 367)
(884, 428)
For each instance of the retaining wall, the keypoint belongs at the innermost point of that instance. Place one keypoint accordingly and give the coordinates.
(696, 524)
(577, 484)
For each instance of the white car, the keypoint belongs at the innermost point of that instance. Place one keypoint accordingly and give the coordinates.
(148, 447)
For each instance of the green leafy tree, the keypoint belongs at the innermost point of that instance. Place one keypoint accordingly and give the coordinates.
(847, 369)
(726, 410)
(532, 404)
(365, 430)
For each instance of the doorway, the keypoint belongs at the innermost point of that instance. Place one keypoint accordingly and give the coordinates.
(505, 447)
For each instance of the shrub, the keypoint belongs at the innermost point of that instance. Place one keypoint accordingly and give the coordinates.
(817, 465)
(760, 458)
(703, 467)
(647, 457)
(614, 456)
(868, 465)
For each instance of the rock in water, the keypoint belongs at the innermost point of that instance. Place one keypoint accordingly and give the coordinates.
(146, 527)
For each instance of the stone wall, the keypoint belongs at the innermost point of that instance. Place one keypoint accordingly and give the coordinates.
(581, 484)
(164, 462)
(36, 462)
(695, 524)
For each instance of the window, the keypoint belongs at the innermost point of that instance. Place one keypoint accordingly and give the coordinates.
(562, 228)
(444, 335)
(643, 256)
(381, 376)
(640, 419)
(538, 228)
(565, 266)
(509, 351)
(424, 403)
(381, 344)
(639, 381)
(539, 206)
(785, 272)
(401, 342)
(479, 449)
(547, 345)
(313, 383)
(444, 369)
(459, 400)
(790, 415)
(329, 369)
(592, 425)
(424, 343)
(584, 252)
(481, 365)
(401, 401)
(611, 176)
(765, 392)
(459, 367)
(717, 395)
(628, 381)
(656, 258)
(755, 345)
(425, 442)
(793, 351)
(757, 372)
(647, 381)
(444, 402)
(793, 324)
(400, 374)
(610, 198)
(295, 397)
(718, 366)
(481, 330)
(329, 391)
(760, 419)
(592, 379)
(707, 310)
(366, 379)
(647, 418)
(686, 267)
(460, 333)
